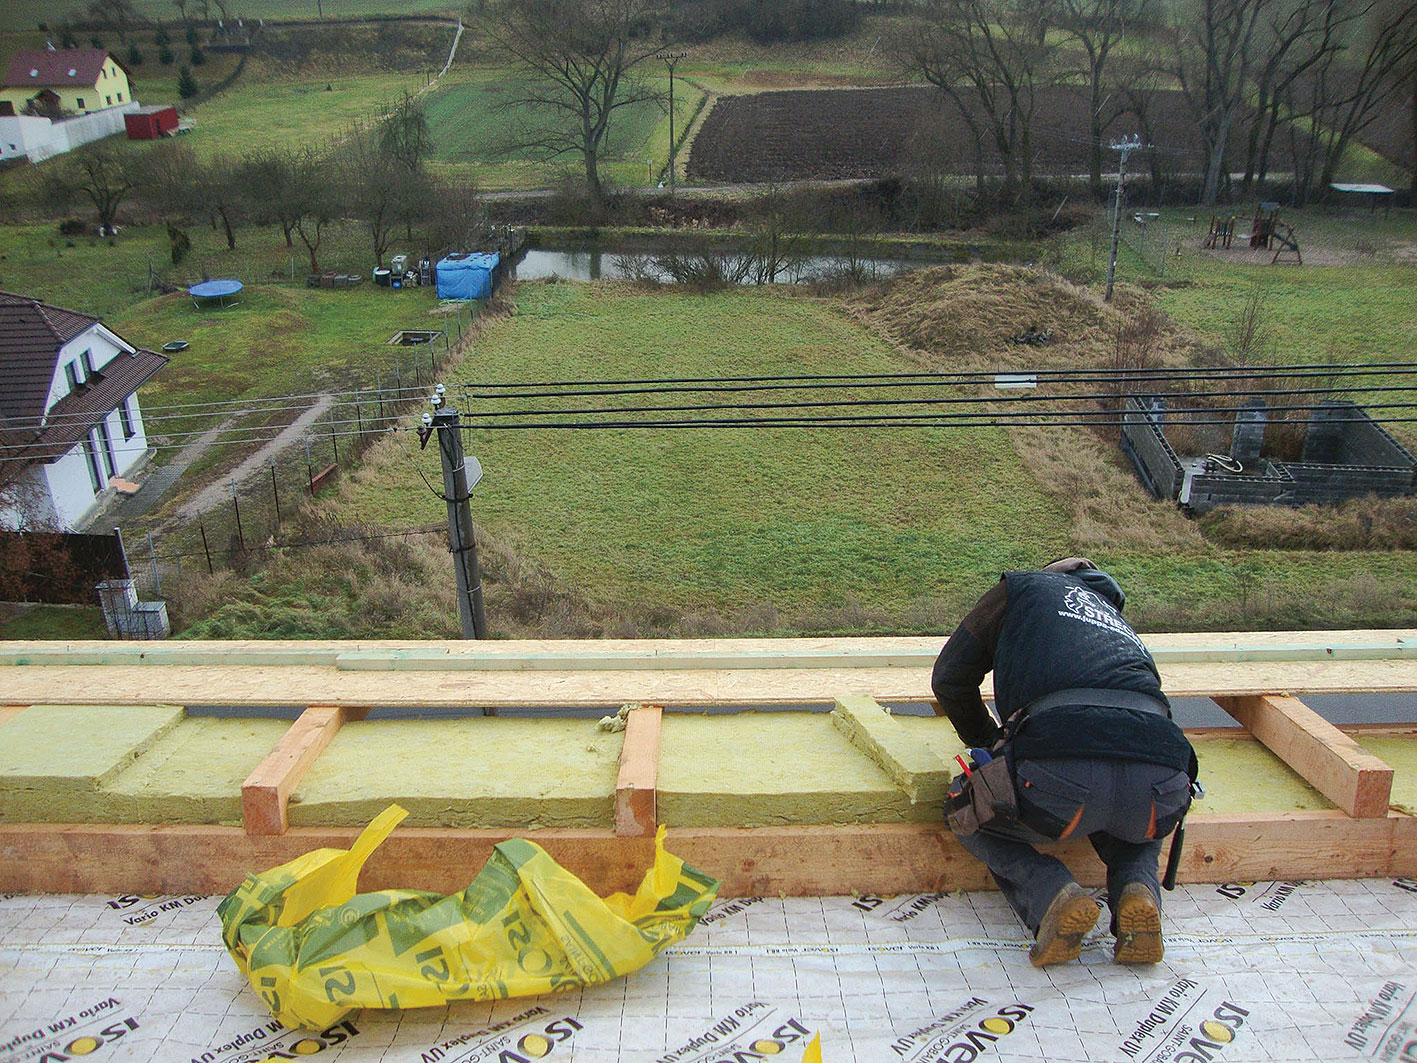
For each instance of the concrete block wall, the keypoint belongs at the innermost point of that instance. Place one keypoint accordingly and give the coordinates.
(1340, 433)
(1144, 442)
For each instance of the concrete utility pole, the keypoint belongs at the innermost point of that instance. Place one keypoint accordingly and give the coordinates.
(461, 542)
(1125, 147)
(671, 61)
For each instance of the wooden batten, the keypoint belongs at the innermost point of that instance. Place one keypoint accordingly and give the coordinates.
(885, 859)
(265, 795)
(1329, 760)
(638, 780)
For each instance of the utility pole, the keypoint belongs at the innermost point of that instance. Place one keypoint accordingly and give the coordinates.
(671, 60)
(461, 542)
(1125, 147)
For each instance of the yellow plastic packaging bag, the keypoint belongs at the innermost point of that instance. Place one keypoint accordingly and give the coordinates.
(315, 951)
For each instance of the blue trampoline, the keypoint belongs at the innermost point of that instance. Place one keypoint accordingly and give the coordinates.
(222, 292)
(466, 275)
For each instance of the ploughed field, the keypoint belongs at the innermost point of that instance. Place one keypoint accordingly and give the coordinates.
(842, 133)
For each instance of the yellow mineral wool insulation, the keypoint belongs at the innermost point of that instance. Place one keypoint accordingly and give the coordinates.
(191, 773)
(936, 734)
(50, 754)
(472, 772)
(913, 766)
(1241, 775)
(194, 773)
(757, 769)
(1398, 752)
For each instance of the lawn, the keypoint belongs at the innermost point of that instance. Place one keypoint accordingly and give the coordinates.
(814, 530)
(735, 520)
(474, 122)
(104, 276)
(292, 113)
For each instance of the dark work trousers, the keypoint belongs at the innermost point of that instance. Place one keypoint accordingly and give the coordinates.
(1123, 807)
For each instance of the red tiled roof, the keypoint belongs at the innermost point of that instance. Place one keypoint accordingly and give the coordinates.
(51, 69)
(75, 415)
(31, 334)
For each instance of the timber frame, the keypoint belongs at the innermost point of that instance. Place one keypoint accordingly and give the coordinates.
(1259, 678)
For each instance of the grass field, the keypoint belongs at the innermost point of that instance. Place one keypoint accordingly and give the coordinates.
(801, 521)
(473, 122)
(105, 276)
(288, 114)
(793, 530)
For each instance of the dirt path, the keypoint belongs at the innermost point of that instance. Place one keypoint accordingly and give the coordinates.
(215, 494)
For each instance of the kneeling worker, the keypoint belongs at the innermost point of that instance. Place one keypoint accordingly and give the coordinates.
(1091, 746)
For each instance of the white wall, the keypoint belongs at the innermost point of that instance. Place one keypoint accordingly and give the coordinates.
(127, 452)
(41, 142)
(71, 489)
(29, 504)
(99, 341)
(21, 134)
(67, 479)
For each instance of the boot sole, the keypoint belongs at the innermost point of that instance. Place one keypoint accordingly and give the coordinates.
(1077, 916)
(1138, 930)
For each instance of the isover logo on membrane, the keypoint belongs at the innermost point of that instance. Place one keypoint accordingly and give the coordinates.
(490, 1045)
(1213, 1036)
(965, 1042)
(89, 1043)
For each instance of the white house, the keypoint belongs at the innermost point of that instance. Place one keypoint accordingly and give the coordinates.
(69, 416)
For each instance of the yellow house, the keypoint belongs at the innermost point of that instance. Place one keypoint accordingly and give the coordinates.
(56, 84)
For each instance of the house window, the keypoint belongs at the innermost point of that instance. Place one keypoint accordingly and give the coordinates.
(71, 374)
(91, 462)
(81, 103)
(87, 359)
(126, 416)
(120, 97)
(108, 101)
(109, 460)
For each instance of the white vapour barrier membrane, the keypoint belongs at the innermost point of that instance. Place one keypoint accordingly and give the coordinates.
(1286, 972)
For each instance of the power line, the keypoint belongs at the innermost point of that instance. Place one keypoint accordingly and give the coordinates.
(935, 377)
(935, 401)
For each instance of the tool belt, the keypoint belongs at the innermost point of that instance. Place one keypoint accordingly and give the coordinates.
(984, 794)
(982, 797)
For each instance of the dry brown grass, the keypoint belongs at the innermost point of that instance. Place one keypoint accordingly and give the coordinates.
(962, 317)
(1367, 523)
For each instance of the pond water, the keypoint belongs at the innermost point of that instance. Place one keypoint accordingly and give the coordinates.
(590, 264)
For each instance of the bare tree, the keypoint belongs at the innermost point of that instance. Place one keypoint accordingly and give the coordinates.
(1142, 78)
(376, 181)
(988, 57)
(1349, 87)
(1295, 37)
(1215, 52)
(1098, 27)
(98, 173)
(269, 177)
(316, 199)
(582, 59)
(404, 135)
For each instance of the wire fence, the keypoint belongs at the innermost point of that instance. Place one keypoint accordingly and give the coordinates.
(271, 458)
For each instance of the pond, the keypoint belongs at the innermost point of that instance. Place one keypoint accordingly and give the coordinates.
(590, 263)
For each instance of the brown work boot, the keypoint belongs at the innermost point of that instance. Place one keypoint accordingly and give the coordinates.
(1137, 924)
(1066, 922)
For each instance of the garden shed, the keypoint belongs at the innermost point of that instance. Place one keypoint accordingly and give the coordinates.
(150, 123)
(466, 275)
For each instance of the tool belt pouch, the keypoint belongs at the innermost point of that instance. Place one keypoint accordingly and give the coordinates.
(982, 799)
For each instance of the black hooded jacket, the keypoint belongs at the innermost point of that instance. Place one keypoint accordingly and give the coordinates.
(1056, 630)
